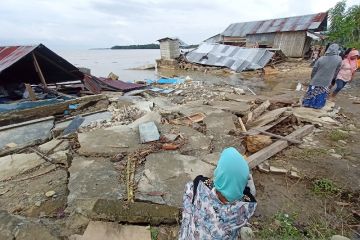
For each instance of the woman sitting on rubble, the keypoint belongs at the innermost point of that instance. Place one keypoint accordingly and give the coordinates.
(217, 209)
(324, 71)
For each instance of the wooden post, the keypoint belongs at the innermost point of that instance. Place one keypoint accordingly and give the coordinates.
(31, 92)
(242, 125)
(38, 70)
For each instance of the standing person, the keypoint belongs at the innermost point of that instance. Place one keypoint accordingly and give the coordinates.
(216, 210)
(347, 71)
(324, 71)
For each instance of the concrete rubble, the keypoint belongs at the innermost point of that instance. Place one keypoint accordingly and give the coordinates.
(84, 179)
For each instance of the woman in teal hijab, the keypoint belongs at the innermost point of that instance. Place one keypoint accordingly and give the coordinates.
(231, 175)
(218, 209)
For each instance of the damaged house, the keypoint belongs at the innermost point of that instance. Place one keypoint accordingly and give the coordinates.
(292, 35)
(33, 65)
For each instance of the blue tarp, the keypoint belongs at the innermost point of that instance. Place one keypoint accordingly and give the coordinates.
(166, 81)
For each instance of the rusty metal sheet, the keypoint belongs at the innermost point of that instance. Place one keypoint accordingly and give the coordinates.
(297, 23)
(12, 54)
(120, 85)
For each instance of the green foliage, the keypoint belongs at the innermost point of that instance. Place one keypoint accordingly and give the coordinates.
(325, 186)
(345, 24)
(154, 233)
(337, 135)
(144, 46)
(282, 228)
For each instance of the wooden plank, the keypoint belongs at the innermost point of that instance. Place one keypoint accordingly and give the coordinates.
(257, 111)
(38, 70)
(31, 92)
(260, 156)
(242, 124)
(278, 136)
(268, 117)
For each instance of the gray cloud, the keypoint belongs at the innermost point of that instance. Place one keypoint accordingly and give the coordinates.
(103, 23)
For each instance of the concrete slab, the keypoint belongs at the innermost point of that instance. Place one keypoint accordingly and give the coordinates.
(220, 123)
(135, 213)
(167, 172)
(88, 119)
(195, 141)
(92, 179)
(314, 115)
(148, 132)
(13, 165)
(107, 142)
(148, 117)
(26, 133)
(239, 108)
(194, 107)
(14, 227)
(55, 145)
(243, 98)
(112, 231)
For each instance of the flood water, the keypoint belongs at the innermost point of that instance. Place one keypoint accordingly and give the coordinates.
(102, 62)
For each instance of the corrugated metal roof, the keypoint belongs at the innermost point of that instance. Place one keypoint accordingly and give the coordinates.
(235, 58)
(298, 23)
(12, 54)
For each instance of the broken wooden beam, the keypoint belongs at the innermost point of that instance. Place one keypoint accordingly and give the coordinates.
(260, 156)
(136, 212)
(278, 136)
(257, 111)
(18, 116)
(243, 128)
(32, 95)
(38, 70)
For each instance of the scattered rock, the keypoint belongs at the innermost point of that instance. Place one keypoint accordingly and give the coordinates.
(11, 145)
(50, 193)
(278, 170)
(38, 203)
(352, 127)
(331, 150)
(246, 233)
(339, 237)
(294, 174)
(338, 156)
(263, 168)
(342, 142)
(257, 142)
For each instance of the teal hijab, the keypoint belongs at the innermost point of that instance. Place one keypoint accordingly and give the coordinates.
(231, 174)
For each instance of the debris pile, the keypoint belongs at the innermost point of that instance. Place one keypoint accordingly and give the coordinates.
(122, 158)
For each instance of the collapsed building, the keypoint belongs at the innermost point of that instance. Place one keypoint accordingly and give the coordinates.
(292, 35)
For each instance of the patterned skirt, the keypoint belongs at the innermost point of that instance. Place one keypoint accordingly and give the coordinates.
(315, 97)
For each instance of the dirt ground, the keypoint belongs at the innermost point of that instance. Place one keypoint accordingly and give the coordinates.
(314, 213)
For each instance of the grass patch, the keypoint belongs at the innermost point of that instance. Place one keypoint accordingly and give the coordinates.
(154, 233)
(283, 227)
(308, 153)
(325, 186)
(336, 135)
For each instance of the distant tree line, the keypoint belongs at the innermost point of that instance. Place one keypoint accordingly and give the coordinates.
(142, 46)
(345, 25)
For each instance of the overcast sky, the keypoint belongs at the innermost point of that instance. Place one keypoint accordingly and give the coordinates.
(85, 24)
